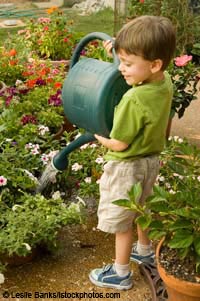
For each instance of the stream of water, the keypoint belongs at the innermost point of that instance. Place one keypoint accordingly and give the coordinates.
(47, 177)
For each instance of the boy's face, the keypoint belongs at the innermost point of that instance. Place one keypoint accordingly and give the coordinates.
(134, 68)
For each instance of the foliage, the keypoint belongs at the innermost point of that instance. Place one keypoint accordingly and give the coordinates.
(11, 65)
(179, 12)
(52, 37)
(33, 220)
(185, 78)
(31, 113)
(173, 209)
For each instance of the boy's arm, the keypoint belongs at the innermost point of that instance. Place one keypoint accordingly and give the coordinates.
(113, 144)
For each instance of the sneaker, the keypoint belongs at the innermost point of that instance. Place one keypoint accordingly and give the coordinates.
(107, 277)
(149, 259)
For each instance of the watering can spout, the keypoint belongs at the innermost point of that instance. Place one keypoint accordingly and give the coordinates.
(60, 161)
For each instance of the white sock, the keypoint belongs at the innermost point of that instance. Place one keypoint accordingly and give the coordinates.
(144, 249)
(122, 269)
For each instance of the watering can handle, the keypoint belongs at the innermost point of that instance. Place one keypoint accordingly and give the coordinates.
(84, 41)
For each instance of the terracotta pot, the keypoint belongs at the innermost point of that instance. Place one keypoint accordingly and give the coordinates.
(66, 126)
(177, 289)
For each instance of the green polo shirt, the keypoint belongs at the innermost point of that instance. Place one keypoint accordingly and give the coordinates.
(141, 118)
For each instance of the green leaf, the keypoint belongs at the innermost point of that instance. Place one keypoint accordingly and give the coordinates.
(181, 224)
(181, 239)
(156, 234)
(144, 221)
(123, 203)
(158, 204)
(135, 192)
(197, 245)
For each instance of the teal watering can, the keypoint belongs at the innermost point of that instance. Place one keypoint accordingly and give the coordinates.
(90, 93)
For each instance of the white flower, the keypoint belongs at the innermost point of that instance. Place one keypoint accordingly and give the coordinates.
(93, 145)
(3, 181)
(99, 160)
(29, 145)
(34, 151)
(18, 82)
(52, 153)
(168, 185)
(2, 278)
(84, 146)
(198, 178)
(176, 138)
(77, 167)
(43, 129)
(28, 247)
(161, 178)
(45, 158)
(56, 195)
(170, 138)
(180, 140)
(172, 191)
(88, 180)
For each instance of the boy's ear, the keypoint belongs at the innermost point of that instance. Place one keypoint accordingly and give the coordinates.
(156, 65)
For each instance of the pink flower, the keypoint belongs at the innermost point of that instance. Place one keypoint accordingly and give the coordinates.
(181, 61)
(3, 181)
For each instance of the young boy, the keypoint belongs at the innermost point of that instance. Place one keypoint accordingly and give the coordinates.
(145, 47)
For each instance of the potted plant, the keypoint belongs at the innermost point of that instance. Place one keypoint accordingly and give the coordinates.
(50, 37)
(172, 215)
(33, 220)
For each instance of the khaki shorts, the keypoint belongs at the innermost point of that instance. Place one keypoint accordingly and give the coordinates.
(116, 181)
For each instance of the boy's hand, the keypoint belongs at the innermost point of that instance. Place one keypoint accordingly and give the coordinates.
(108, 45)
(113, 144)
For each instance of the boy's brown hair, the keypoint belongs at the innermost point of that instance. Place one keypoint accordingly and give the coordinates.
(152, 37)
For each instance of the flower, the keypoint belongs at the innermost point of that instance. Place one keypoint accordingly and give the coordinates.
(3, 181)
(77, 166)
(88, 180)
(182, 61)
(51, 37)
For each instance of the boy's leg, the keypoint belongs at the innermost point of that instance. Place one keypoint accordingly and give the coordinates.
(116, 275)
(123, 247)
(142, 251)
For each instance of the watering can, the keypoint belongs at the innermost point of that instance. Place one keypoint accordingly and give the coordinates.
(90, 93)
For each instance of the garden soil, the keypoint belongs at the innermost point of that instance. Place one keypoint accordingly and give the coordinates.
(83, 248)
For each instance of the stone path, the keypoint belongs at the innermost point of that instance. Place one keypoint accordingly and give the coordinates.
(189, 125)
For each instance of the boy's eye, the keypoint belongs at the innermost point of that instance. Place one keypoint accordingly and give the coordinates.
(127, 64)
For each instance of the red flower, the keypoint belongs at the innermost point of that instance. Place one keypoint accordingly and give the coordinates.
(28, 119)
(181, 61)
(13, 62)
(141, 1)
(12, 52)
(31, 83)
(57, 85)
